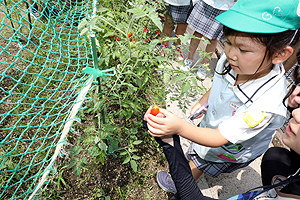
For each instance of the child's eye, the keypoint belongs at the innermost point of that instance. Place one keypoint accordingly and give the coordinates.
(227, 42)
(243, 51)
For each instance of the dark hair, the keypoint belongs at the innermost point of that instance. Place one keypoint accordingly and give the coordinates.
(295, 77)
(273, 42)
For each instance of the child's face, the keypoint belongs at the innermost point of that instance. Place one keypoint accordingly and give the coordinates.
(245, 56)
(291, 137)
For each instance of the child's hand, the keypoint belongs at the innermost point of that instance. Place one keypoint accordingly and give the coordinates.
(195, 108)
(163, 126)
(294, 99)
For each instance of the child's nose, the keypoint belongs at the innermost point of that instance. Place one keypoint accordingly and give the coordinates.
(296, 115)
(232, 54)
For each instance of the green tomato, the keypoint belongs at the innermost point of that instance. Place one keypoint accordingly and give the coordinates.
(118, 54)
(122, 59)
(135, 54)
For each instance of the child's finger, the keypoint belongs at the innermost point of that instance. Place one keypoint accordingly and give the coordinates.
(154, 135)
(195, 108)
(199, 116)
(147, 112)
(154, 131)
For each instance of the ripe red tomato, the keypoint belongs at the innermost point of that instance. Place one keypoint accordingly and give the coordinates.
(129, 34)
(154, 110)
(117, 38)
(105, 98)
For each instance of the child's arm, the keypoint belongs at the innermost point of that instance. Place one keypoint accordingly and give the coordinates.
(172, 124)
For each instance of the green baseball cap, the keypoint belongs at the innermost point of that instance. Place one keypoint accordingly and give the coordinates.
(262, 16)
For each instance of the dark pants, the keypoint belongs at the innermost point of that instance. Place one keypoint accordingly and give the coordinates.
(187, 188)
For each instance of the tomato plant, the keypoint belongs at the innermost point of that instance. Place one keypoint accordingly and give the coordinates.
(128, 35)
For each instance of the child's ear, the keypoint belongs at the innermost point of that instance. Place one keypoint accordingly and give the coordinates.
(282, 55)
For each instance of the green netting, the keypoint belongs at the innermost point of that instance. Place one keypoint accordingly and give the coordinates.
(41, 77)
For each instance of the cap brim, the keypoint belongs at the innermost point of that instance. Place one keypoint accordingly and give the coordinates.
(244, 23)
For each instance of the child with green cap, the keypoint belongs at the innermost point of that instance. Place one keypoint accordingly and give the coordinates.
(245, 100)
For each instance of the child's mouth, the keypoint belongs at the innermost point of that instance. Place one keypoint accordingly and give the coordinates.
(288, 131)
(233, 66)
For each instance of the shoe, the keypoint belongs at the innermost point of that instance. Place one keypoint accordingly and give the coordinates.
(187, 65)
(165, 181)
(34, 12)
(201, 73)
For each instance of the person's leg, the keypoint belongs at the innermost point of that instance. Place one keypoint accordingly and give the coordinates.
(180, 171)
(195, 171)
(168, 28)
(194, 45)
(210, 48)
(180, 30)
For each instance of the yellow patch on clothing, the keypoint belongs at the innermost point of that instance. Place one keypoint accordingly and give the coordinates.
(253, 118)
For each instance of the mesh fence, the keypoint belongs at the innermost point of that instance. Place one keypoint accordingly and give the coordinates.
(42, 86)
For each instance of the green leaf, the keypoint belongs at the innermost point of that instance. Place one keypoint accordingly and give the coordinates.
(102, 9)
(73, 162)
(84, 31)
(97, 29)
(167, 77)
(153, 44)
(135, 157)
(180, 77)
(77, 171)
(102, 146)
(137, 142)
(184, 38)
(82, 162)
(126, 160)
(94, 151)
(75, 150)
(133, 10)
(123, 153)
(101, 157)
(134, 130)
(156, 20)
(94, 21)
(82, 24)
(194, 81)
(186, 86)
(145, 79)
(133, 165)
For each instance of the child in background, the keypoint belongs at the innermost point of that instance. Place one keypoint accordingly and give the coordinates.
(245, 100)
(202, 20)
(178, 12)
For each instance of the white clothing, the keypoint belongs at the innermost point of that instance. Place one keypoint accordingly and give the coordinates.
(178, 2)
(220, 4)
(227, 107)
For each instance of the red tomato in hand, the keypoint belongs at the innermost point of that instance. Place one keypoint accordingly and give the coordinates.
(129, 34)
(154, 110)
